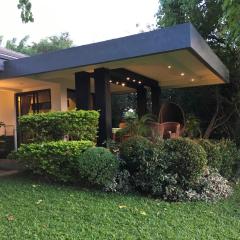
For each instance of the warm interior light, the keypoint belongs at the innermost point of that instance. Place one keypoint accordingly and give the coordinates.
(169, 66)
(192, 80)
(110, 81)
(128, 78)
(139, 82)
(134, 80)
(117, 83)
(123, 84)
(182, 74)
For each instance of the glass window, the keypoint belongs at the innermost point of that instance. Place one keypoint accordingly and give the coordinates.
(33, 102)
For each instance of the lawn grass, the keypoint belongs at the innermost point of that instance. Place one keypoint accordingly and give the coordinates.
(29, 210)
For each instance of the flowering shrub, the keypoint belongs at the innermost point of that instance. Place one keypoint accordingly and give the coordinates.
(120, 183)
(210, 187)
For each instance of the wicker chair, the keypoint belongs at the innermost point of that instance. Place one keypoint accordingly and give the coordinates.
(166, 130)
(172, 112)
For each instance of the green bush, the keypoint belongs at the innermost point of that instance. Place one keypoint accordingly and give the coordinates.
(230, 158)
(144, 163)
(186, 158)
(134, 150)
(170, 164)
(214, 154)
(98, 166)
(222, 155)
(53, 126)
(56, 160)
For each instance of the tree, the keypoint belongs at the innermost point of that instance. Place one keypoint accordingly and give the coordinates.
(26, 10)
(48, 44)
(218, 22)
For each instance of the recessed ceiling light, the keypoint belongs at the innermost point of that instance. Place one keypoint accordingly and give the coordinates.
(123, 84)
(182, 74)
(169, 66)
(128, 78)
(139, 82)
(134, 80)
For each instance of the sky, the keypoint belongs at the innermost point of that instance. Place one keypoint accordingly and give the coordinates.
(87, 21)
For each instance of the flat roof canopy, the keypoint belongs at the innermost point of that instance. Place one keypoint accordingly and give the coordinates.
(175, 57)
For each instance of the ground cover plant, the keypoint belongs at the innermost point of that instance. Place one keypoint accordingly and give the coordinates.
(32, 210)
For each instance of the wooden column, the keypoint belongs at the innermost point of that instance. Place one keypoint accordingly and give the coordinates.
(156, 100)
(103, 103)
(83, 94)
(141, 101)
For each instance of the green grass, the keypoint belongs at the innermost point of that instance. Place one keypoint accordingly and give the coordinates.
(29, 210)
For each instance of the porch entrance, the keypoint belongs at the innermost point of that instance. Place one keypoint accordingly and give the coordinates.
(33, 102)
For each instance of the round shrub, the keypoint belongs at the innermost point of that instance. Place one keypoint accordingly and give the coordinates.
(98, 166)
(133, 151)
(187, 159)
(214, 154)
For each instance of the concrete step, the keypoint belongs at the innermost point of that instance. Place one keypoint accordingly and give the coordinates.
(8, 173)
(7, 164)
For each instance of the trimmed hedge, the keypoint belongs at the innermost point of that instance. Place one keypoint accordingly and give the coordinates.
(98, 166)
(53, 126)
(56, 160)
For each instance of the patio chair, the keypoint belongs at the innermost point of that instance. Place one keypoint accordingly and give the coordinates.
(166, 130)
(172, 112)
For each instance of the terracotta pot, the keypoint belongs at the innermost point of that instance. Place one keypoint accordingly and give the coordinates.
(122, 125)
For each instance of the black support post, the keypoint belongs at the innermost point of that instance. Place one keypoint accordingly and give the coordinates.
(156, 100)
(103, 103)
(141, 101)
(82, 85)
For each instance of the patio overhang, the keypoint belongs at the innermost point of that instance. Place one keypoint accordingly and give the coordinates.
(173, 57)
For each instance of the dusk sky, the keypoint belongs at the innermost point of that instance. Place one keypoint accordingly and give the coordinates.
(86, 21)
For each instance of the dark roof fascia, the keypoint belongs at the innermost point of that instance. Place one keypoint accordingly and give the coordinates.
(159, 41)
(201, 49)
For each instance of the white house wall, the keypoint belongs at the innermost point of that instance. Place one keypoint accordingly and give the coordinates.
(7, 108)
(58, 100)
